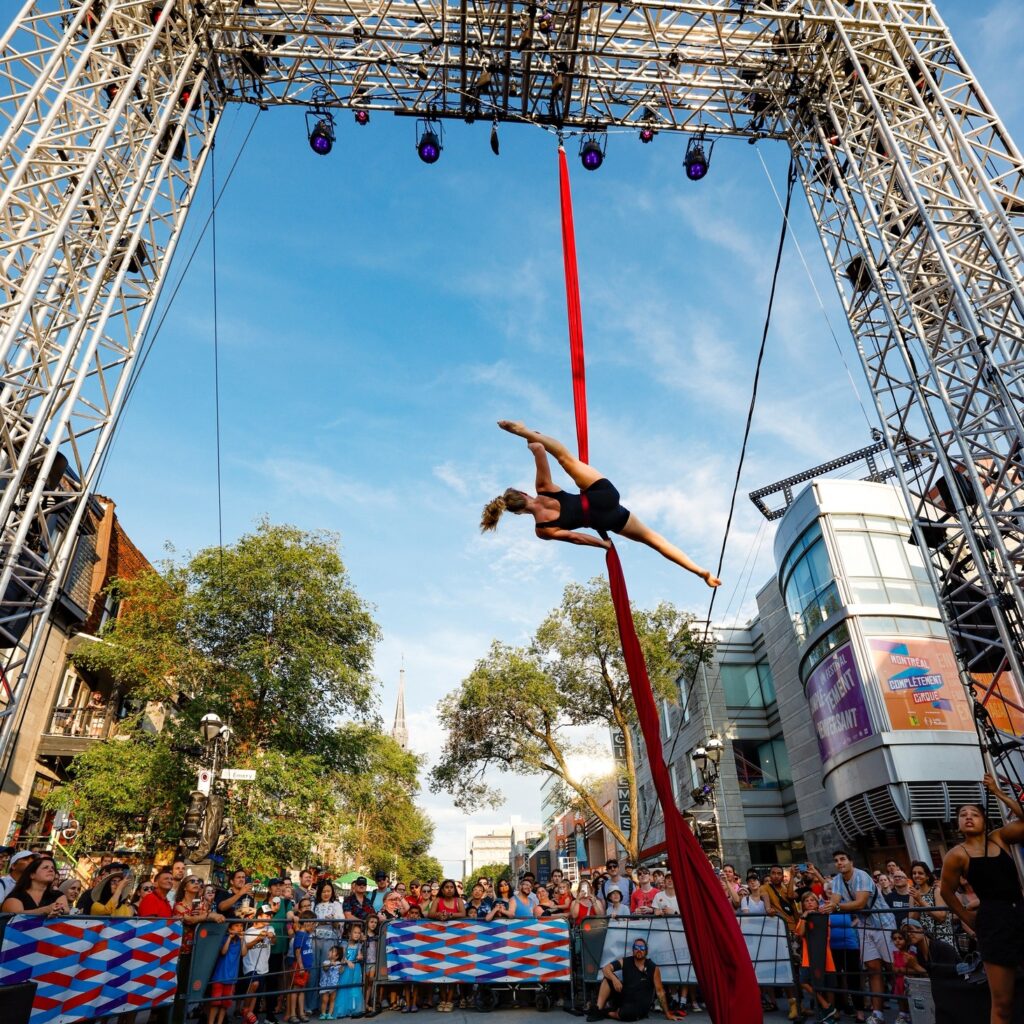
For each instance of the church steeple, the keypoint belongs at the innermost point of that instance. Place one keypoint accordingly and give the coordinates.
(399, 732)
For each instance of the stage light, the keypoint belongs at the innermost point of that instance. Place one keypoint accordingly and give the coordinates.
(698, 158)
(495, 149)
(592, 149)
(321, 138)
(647, 134)
(429, 147)
(362, 117)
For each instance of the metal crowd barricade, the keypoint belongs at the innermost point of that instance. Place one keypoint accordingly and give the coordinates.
(603, 940)
(87, 967)
(517, 954)
(953, 987)
(209, 939)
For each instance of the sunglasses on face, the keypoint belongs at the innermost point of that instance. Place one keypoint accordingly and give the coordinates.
(147, 888)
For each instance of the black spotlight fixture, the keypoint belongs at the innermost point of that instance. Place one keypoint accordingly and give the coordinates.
(362, 117)
(698, 157)
(430, 140)
(647, 134)
(320, 124)
(592, 150)
(495, 148)
(321, 136)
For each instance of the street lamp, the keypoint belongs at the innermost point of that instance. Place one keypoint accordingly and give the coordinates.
(707, 757)
(210, 727)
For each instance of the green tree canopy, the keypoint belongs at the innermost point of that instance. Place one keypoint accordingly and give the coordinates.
(491, 871)
(271, 635)
(520, 707)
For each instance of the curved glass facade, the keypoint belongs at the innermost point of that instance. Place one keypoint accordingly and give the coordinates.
(808, 583)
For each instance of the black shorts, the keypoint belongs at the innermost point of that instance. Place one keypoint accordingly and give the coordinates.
(633, 1011)
(1000, 931)
(606, 514)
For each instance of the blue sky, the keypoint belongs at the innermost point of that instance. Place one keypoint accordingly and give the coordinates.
(377, 316)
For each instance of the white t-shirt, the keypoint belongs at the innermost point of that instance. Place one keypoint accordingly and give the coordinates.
(665, 904)
(751, 905)
(258, 958)
(7, 885)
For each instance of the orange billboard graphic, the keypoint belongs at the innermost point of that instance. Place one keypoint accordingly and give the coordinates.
(920, 684)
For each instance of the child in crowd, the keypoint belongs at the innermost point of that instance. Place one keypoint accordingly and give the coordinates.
(809, 905)
(302, 956)
(350, 994)
(330, 979)
(370, 955)
(904, 962)
(225, 974)
(256, 960)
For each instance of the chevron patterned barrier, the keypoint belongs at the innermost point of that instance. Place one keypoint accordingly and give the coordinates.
(522, 951)
(86, 968)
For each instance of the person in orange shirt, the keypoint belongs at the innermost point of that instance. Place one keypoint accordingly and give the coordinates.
(809, 905)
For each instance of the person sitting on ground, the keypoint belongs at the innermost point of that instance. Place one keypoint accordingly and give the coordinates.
(559, 514)
(634, 992)
(34, 892)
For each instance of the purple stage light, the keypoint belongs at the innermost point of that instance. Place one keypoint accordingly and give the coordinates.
(646, 135)
(321, 138)
(696, 162)
(591, 156)
(429, 147)
(362, 117)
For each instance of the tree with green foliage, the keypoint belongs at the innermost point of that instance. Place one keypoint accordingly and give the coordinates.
(270, 634)
(491, 871)
(519, 707)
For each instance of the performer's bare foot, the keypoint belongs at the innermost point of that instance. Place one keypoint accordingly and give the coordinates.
(515, 427)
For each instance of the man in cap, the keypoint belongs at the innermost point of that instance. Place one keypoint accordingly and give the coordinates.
(641, 979)
(356, 906)
(15, 867)
(377, 896)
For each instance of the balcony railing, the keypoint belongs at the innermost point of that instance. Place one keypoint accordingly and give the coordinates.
(87, 723)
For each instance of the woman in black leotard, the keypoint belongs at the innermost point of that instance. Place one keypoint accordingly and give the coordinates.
(559, 514)
(985, 860)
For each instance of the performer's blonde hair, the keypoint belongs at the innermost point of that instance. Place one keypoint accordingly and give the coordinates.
(512, 500)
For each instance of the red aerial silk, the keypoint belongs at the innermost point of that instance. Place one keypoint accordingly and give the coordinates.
(720, 958)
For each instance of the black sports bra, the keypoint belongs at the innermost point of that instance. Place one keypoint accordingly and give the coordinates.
(570, 510)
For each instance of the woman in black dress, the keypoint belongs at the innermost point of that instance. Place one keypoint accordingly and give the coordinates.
(559, 514)
(985, 860)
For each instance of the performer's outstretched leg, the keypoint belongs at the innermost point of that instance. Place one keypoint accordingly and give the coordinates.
(638, 531)
(582, 474)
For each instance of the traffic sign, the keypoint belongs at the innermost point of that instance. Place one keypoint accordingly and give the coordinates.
(238, 774)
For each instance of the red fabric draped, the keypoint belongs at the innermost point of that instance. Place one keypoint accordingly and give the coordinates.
(572, 302)
(719, 952)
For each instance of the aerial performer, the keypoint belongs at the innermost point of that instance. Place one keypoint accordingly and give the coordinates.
(558, 514)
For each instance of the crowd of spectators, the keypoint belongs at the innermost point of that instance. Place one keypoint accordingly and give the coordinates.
(293, 950)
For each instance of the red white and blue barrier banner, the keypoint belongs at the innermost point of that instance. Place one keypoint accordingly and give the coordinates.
(85, 968)
(608, 939)
(469, 950)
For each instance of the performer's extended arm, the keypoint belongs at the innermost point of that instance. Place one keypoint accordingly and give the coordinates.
(572, 537)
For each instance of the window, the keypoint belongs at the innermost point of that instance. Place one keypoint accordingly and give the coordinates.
(666, 718)
(748, 686)
(882, 567)
(809, 589)
(684, 698)
(761, 764)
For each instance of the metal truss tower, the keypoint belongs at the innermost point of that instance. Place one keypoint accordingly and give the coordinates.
(108, 109)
